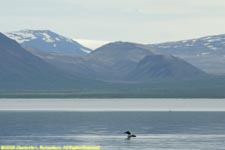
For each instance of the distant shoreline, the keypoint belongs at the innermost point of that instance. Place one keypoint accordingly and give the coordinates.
(102, 96)
(137, 104)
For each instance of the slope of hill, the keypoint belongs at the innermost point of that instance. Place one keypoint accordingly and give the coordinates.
(164, 67)
(20, 69)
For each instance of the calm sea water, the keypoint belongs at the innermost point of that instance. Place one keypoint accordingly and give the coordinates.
(155, 130)
(160, 124)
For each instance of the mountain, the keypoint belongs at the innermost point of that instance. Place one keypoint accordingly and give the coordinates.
(207, 53)
(23, 74)
(115, 60)
(20, 69)
(164, 67)
(110, 62)
(124, 61)
(48, 41)
(133, 62)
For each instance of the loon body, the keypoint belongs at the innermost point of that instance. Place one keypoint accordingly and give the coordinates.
(129, 135)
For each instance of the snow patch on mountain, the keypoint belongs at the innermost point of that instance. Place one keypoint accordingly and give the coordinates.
(212, 47)
(205, 53)
(47, 38)
(21, 37)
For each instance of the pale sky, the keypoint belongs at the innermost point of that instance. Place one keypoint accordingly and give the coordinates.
(143, 21)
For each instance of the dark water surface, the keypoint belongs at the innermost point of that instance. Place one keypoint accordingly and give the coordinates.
(155, 130)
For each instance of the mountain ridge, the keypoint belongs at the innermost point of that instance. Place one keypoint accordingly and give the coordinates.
(116, 62)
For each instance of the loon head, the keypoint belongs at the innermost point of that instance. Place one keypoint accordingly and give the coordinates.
(128, 132)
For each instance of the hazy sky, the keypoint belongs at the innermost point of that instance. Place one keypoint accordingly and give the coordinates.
(144, 21)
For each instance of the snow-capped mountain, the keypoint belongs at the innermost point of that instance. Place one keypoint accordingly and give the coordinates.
(203, 46)
(207, 53)
(48, 41)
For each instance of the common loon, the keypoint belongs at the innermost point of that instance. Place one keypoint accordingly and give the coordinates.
(129, 135)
